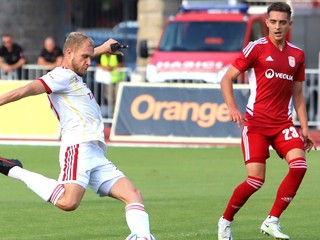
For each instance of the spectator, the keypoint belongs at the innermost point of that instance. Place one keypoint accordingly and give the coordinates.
(11, 58)
(110, 74)
(50, 55)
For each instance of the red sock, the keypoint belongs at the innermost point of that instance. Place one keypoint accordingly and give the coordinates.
(289, 186)
(240, 195)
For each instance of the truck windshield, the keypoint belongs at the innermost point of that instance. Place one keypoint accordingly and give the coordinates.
(203, 36)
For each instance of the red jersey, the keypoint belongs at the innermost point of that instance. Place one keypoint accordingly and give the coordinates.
(271, 73)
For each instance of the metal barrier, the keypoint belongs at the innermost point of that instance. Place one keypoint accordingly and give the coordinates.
(311, 89)
(105, 92)
(33, 71)
(13, 75)
(100, 90)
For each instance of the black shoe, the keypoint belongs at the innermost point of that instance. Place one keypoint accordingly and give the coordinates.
(7, 164)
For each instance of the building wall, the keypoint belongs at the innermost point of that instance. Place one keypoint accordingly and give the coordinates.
(152, 15)
(30, 21)
(306, 37)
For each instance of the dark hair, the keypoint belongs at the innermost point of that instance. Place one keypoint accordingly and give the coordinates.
(280, 7)
(7, 35)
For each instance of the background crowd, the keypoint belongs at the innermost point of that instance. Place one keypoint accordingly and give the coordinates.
(12, 57)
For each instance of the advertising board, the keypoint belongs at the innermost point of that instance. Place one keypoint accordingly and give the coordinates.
(175, 113)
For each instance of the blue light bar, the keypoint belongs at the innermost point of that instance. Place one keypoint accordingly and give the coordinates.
(209, 5)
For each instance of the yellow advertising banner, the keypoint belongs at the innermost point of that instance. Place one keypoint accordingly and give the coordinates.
(28, 118)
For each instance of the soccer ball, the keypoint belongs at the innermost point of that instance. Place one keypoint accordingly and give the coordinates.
(134, 236)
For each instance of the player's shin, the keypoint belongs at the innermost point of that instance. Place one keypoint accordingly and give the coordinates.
(289, 186)
(240, 195)
(137, 218)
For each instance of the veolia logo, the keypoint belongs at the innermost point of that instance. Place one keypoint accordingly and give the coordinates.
(270, 73)
(146, 107)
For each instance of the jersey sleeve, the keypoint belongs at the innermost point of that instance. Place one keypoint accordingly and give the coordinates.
(57, 80)
(247, 57)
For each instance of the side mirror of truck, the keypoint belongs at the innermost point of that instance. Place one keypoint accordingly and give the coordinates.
(143, 49)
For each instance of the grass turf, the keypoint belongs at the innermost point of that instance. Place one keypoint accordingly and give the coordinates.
(185, 192)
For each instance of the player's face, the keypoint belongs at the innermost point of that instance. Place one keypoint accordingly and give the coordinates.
(81, 58)
(278, 25)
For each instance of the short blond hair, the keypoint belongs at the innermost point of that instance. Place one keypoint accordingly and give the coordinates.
(75, 40)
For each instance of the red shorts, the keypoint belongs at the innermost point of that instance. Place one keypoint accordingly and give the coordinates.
(257, 140)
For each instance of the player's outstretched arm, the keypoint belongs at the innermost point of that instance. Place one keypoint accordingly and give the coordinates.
(106, 48)
(33, 88)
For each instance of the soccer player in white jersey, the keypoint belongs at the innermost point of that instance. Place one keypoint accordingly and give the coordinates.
(82, 153)
(276, 70)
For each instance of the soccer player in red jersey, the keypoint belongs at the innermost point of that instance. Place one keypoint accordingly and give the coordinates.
(276, 70)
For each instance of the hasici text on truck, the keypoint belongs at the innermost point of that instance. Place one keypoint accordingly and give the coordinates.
(200, 42)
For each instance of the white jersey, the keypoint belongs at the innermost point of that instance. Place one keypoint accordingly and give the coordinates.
(75, 107)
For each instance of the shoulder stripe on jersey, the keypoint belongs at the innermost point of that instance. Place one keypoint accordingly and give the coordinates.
(293, 46)
(246, 51)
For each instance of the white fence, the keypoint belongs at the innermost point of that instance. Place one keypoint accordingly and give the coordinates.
(101, 90)
(311, 89)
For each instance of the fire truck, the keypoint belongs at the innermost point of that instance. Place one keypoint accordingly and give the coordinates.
(200, 42)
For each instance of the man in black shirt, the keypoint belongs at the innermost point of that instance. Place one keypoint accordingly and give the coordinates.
(50, 55)
(11, 58)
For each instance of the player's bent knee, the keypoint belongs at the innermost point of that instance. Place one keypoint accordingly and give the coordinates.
(137, 194)
(125, 191)
(68, 206)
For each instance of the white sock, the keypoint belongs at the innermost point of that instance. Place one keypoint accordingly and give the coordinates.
(137, 219)
(271, 219)
(226, 221)
(39, 184)
(57, 192)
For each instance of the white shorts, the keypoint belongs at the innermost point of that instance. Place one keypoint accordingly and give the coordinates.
(85, 164)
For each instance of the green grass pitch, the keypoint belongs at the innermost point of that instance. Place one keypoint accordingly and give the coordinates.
(185, 192)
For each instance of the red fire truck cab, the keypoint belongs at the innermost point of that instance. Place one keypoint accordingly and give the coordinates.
(200, 42)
